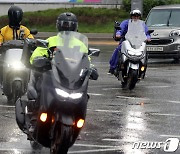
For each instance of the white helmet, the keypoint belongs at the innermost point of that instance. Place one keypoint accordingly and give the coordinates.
(135, 12)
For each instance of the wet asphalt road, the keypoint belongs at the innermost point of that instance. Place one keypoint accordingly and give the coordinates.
(116, 118)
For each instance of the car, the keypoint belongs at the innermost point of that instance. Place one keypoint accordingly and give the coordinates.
(165, 40)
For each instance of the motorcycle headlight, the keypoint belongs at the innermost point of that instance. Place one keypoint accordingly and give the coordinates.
(135, 53)
(16, 65)
(66, 94)
(175, 33)
(130, 52)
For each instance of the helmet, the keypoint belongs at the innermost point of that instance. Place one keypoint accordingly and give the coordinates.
(15, 15)
(67, 22)
(135, 12)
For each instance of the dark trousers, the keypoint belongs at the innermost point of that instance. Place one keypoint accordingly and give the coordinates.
(115, 56)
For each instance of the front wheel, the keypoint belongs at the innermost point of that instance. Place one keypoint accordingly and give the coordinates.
(35, 145)
(62, 140)
(132, 79)
(17, 92)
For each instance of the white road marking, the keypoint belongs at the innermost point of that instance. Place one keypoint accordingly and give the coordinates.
(94, 94)
(7, 106)
(91, 145)
(157, 86)
(112, 111)
(114, 140)
(126, 97)
(165, 114)
(174, 102)
(164, 135)
(96, 150)
(110, 88)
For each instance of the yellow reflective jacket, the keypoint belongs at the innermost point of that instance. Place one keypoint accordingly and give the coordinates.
(43, 52)
(6, 33)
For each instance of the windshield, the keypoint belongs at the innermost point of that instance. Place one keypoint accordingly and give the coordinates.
(70, 59)
(135, 34)
(164, 18)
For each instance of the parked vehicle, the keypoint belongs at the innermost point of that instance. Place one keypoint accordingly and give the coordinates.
(133, 59)
(165, 40)
(63, 96)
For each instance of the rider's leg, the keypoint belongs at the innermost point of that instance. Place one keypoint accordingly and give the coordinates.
(114, 59)
(32, 94)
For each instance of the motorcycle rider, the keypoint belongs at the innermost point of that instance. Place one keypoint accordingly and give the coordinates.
(14, 30)
(65, 22)
(135, 15)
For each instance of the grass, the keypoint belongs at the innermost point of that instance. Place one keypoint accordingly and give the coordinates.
(91, 20)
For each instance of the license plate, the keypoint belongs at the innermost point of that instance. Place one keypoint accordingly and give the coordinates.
(154, 48)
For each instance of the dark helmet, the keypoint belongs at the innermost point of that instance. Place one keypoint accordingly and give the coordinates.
(67, 22)
(15, 15)
(135, 12)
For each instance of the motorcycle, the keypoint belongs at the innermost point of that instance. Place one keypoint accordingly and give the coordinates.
(132, 62)
(62, 96)
(14, 74)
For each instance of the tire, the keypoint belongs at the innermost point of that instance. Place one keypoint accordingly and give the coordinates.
(17, 86)
(62, 140)
(132, 79)
(35, 145)
(20, 115)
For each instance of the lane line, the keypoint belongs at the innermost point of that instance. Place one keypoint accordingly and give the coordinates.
(7, 106)
(96, 150)
(158, 86)
(165, 114)
(94, 94)
(176, 136)
(174, 102)
(112, 111)
(105, 89)
(127, 97)
(91, 145)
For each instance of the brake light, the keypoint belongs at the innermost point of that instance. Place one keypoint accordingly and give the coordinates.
(80, 123)
(43, 117)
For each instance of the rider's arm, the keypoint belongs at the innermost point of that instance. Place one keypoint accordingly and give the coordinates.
(123, 28)
(43, 52)
(147, 33)
(38, 52)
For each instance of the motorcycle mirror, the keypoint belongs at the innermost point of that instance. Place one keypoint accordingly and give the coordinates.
(42, 43)
(33, 31)
(150, 31)
(93, 52)
(117, 25)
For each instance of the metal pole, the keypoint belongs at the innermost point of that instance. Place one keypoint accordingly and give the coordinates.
(137, 4)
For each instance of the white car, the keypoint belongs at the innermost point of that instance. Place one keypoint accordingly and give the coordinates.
(165, 40)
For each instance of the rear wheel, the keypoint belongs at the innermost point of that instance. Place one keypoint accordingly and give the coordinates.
(132, 79)
(62, 140)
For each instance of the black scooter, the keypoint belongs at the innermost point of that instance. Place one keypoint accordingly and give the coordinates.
(63, 94)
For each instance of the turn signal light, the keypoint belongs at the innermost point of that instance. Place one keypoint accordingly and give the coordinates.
(142, 68)
(43, 117)
(80, 123)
